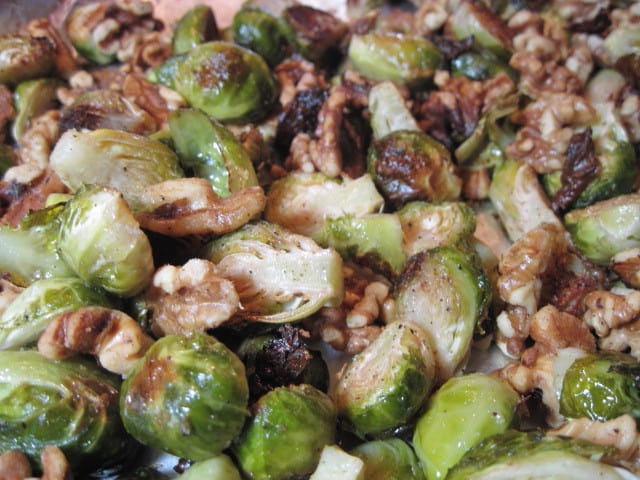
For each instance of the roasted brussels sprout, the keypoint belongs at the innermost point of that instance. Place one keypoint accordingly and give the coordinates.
(445, 292)
(220, 467)
(605, 228)
(106, 109)
(533, 456)
(402, 58)
(410, 165)
(601, 387)
(227, 81)
(280, 276)
(460, 414)
(32, 98)
(71, 404)
(113, 158)
(385, 385)
(286, 434)
(24, 58)
(258, 30)
(479, 66)
(164, 73)
(119, 261)
(211, 151)
(389, 113)
(187, 396)
(195, 27)
(29, 252)
(28, 315)
(336, 463)
(389, 459)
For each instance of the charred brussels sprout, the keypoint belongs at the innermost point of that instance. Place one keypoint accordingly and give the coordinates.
(32, 98)
(280, 276)
(71, 404)
(195, 27)
(119, 261)
(605, 228)
(29, 314)
(187, 396)
(211, 151)
(389, 459)
(285, 437)
(385, 385)
(24, 57)
(410, 165)
(478, 66)
(164, 73)
(533, 456)
(460, 414)
(446, 292)
(220, 467)
(261, 32)
(228, 82)
(406, 59)
(601, 387)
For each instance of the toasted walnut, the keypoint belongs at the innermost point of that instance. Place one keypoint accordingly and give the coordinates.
(513, 330)
(7, 112)
(556, 329)
(367, 309)
(295, 75)
(190, 298)
(609, 310)
(623, 339)
(64, 55)
(430, 17)
(626, 265)
(54, 464)
(14, 465)
(620, 432)
(39, 139)
(113, 336)
(630, 115)
(147, 96)
(330, 326)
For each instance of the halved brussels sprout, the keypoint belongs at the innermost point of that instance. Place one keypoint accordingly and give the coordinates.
(389, 459)
(32, 98)
(261, 32)
(445, 292)
(113, 158)
(165, 73)
(211, 151)
(220, 467)
(336, 463)
(28, 315)
(24, 58)
(285, 437)
(227, 81)
(410, 165)
(605, 228)
(479, 66)
(187, 396)
(461, 413)
(402, 58)
(385, 385)
(71, 404)
(198, 25)
(389, 113)
(103, 243)
(302, 202)
(280, 276)
(533, 456)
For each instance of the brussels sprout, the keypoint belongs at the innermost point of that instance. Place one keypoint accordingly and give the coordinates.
(219, 467)
(286, 435)
(336, 463)
(605, 228)
(32, 98)
(113, 158)
(460, 414)
(106, 109)
(28, 315)
(302, 202)
(24, 57)
(374, 240)
(601, 387)
(479, 66)
(385, 385)
(429, 225)
(446, 292)
(389, 112)
(29, 252)
(473, 19)
(406, 59)
(71, 404)
(533, 456)
(102, 242)
(280, 276)
(389, 459)
(211, 151)
(195, 27)
(7, 158)
(261, 32)
(518, 198)
(187, 396)
(410, 165)
(164, 73)
(228, 82)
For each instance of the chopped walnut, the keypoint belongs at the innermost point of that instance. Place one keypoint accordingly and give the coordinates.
(623, 339)
(295, 75)
(367, 310)
(626, 265)
(145, 51)
(193, 297)
(430, 17)
(54, 464)
(40, 138)
(14, 465)
(147, 96)
(555, 329)
(630, 115)
(607, 310)
(64, 55)
(7, 112)
(113, 336)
